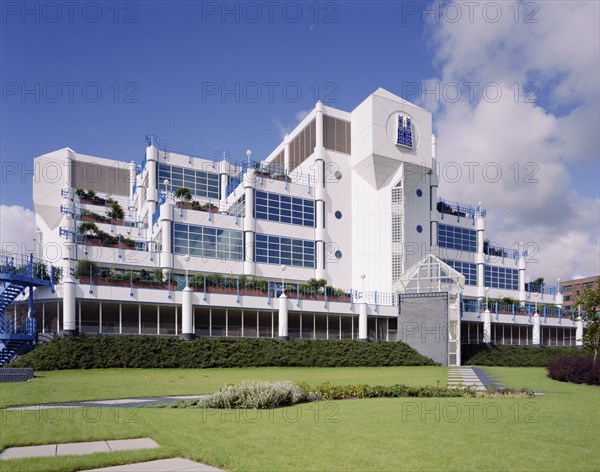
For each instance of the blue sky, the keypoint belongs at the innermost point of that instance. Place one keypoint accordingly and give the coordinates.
(155, 63)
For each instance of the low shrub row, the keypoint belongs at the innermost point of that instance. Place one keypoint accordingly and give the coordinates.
(101, 352)
(513, 356)
(575, 369)
(252, 394)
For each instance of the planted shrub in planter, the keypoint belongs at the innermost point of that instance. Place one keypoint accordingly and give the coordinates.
(83, 268)
(116, 213)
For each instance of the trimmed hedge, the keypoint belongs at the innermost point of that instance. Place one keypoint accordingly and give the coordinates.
(101, 352)
(575, 369)
(513, 356)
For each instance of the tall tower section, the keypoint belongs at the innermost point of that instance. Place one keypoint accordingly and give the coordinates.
(392, 170)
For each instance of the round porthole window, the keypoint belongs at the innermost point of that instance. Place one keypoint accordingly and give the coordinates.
(338, 174)
(419, 229)
(338, 215)
(338, 254)
(419, 192)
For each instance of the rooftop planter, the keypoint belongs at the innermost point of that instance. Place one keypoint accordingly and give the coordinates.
(493, 250)
(312, 290)
(92, 236)
(90, 198)
(186, 202)
(449, 210)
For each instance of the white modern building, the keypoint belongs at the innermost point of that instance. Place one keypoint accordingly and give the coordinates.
(348, 196)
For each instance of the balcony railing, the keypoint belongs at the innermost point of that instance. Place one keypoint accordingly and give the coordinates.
(461, 210)
(192, 151)
(474, 306)
(238, 286)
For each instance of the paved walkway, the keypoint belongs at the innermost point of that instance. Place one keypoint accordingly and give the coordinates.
(465, 376)
(77, 449)
(120, 403)
(164, 465)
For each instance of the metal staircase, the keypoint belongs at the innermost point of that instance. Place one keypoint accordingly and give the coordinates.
(19, 273)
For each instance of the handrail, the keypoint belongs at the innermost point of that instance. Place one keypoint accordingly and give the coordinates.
(166, 145)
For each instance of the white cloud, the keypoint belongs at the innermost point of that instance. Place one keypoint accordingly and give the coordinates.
(287, 129)
(17, 229)
(531, 143)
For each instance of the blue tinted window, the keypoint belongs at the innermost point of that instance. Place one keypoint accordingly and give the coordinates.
(272, 249)
(501, 277)
(454, 237)
(201, 241)
(284, 209)
(468, 269)
(198, 182)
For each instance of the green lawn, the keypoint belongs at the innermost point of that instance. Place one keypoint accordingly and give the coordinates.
(557, 431)
(73, 385)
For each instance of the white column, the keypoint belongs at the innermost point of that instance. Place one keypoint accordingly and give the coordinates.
(537, 333)
(223, 173)
(248, 221)
(433, 189)
(559, 296)
(283, 317)
(319, 186)
(487, 326)
(522, 265)
(579, 332)
(132, 178)
(362, 320)
(480, 226)
(69, 322)
(286, 153)
(320, 220)
(152, 192)
(69, 288)
(187, 312)
(166, 223)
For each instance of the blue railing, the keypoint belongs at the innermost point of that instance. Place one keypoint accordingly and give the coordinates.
(214, 283)
(460, 209)
(503, 252)
(472, 306)
(541, 288)
(237, 180)
(157, 211)
(26, 326)
(25, 265)
(191, 151)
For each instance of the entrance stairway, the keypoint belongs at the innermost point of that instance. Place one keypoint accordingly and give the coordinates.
(19, 273)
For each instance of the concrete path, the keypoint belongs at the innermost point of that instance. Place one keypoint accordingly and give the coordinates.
(164, 465)
(120, 403)
(465, 376)
(77, 449)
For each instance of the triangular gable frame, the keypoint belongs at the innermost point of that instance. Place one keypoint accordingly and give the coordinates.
(430, 274)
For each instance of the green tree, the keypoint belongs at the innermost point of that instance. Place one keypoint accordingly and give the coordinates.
(589, 301)
(116, 212)
(87, 227)
(183, 194)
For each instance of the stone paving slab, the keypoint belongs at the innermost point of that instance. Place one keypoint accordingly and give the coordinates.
(28, 451)
(79, 449)
(164, 465)
(76, 449)
(122, 402)
(128, 444)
